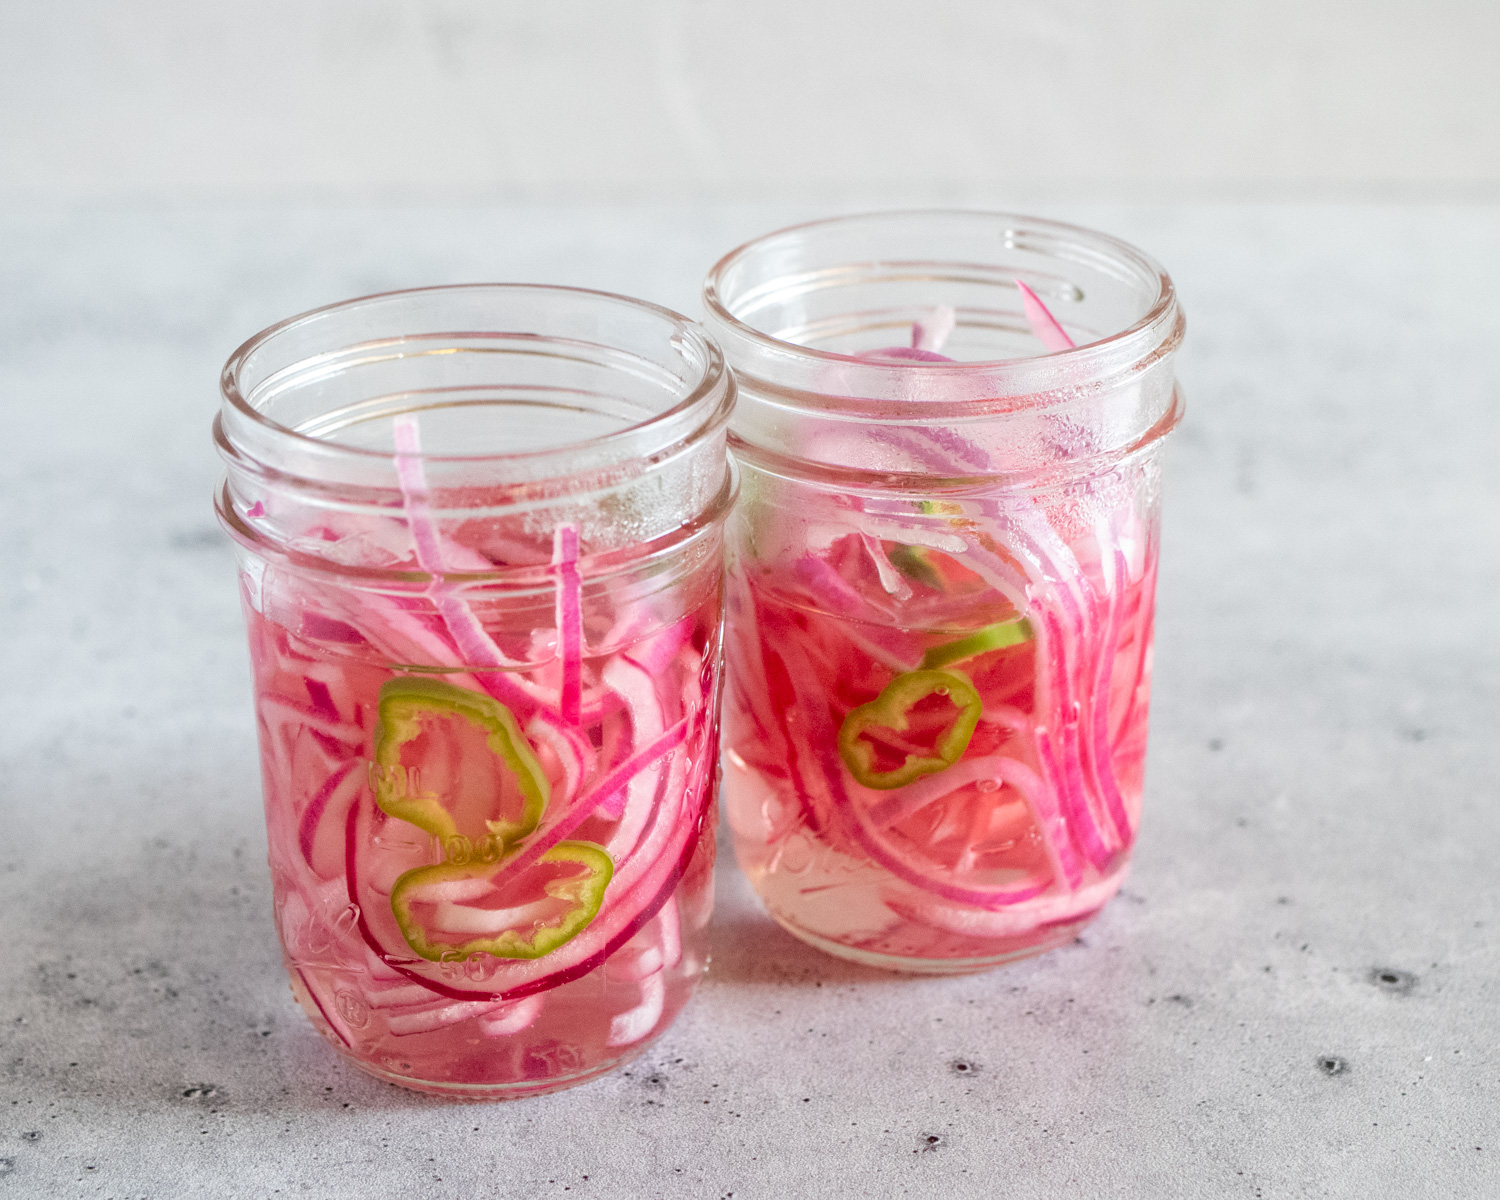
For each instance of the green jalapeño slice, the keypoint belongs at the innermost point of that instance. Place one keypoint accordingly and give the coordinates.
(992, 637)
(874, 733)
(453, 911)
(454, 763)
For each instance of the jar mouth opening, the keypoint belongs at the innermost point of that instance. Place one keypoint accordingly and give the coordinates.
(698, 390)
(735, 290)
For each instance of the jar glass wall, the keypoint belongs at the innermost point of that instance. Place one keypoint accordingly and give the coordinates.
(480, 542)
(942, 574)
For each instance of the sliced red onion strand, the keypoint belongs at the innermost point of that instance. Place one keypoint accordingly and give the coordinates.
(1103, 764)
(569, 620)
(1043, 324)
(934, 331)
(608, 797)
(474, 644)
(411, 475)
(321, 697)
(436, 1016)
(655, 653)
(511, 1017)
(574, 753)
(671, 933)
(1053, 778)
(890, 578)
(873, 846)
(1071, 790)
(312, 815)
(636, 1023)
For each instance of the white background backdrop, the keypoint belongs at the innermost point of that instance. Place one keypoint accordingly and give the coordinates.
(173, 101)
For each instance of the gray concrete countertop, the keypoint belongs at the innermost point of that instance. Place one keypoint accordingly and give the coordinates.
(1298, 993)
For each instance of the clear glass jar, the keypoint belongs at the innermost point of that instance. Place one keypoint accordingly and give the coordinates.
(941, 578)
(480, 542)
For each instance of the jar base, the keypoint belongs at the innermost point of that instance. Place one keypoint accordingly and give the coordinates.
(520, 1089)
(1055, 937)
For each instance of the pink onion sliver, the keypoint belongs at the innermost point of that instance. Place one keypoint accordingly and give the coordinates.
(833, 594)
(907, 443)
(1069, 777)
(321, 697)
(608, 794)
(412, 478)
(629, 628)
(1145, 618)
(904, 354)
(573, 751)
(935, 330)
(1044, 812)
(637, 687)
(631, 964)
(603, 796)
(958, 447)
(1068, 908)
(979, 898)
(379, 618)
(827, 586)
(1059, 839)
(1114, 803)
(426, 1020)
(636, 1023)
(1007, 716)
(890, 578)
(280, 710)
(671, 932)
(870, 842)
(914, 797)
(511, 1017)
(312, 815)
(1043, 324)
(569, 620)
(474, 643)
(399, 995)
(653, 654)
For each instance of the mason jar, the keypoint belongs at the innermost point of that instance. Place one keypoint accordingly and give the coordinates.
(479, 533)
(941, 579)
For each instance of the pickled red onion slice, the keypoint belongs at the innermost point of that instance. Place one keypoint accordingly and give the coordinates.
(569, 620)
(1043, 324)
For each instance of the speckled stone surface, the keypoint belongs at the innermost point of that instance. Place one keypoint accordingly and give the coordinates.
(1298, 993)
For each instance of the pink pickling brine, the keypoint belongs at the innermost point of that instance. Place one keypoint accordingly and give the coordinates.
(942, 577)
(486, 681)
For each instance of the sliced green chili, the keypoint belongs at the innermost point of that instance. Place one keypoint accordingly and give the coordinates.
(404, 704)
(981, 641)
(892, 709)
(533, 933)
(912, 562)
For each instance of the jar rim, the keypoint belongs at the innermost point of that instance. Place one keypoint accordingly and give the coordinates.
(710, 380)
(1144, 338)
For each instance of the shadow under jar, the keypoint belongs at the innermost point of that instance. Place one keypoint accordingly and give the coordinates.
(941, 576)
(480, 543)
